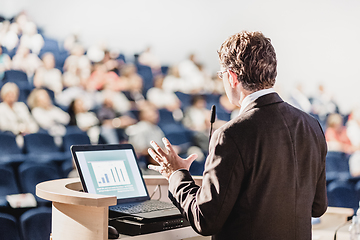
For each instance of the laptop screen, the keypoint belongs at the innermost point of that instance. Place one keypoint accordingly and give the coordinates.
(109, 170)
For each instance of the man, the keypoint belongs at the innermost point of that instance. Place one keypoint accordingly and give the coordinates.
(265, 174)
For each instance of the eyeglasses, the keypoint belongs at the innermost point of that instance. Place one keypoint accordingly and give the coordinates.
(221, 74)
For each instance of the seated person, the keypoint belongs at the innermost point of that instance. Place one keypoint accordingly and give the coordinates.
(48, 76)
(15, 116)
(47, 115)
(197, 119)
(336, 136)
(110, 120)
(146, 130)
(87, 121)
(162, 98)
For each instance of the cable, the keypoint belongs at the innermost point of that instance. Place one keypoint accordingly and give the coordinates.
(342, 225)
(156, 188)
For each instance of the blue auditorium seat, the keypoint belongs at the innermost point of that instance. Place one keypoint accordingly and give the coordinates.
(165, 117)
(184, 98)
(8, 184)
(18, 77)
(337, 166)
(36, 224)
(41, 147)
(342, 194)
(75, 138)
(10, 151)
(9, 229)
(31, 173)
(148, 79)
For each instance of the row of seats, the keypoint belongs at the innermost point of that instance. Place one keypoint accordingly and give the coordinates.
(343, 193)
(24, 180)
(41, 148)
(34, 224)
(343, 190)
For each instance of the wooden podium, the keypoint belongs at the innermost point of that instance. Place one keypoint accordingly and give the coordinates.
(75, 214)
(79, 215)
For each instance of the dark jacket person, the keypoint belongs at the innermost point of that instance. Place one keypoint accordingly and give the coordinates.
(264, 177)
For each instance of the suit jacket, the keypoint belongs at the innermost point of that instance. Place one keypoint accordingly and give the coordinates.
(264, 177)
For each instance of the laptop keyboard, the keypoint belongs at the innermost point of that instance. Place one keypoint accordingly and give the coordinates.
(148, 206)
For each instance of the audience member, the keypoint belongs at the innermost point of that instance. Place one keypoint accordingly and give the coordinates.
(353, 127)
(10, 39)
(336, 136)
(31, 38)
(189, 71)
(26, 61)
(101, 76)
(77, 61)
(141, 133)
(173, 82)
(299, 100)
(323, 104)
(48, 76)
(133, 82)
(148, 58)
(197, 119)
(121, 103)
(110, 120)
(15, 116)
(48, 116)
(161, 98)
(87, 121)
(83, 90)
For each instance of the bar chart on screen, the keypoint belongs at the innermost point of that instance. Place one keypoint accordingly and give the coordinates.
(110, 173)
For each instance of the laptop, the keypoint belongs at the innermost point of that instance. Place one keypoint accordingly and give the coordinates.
(112, 169)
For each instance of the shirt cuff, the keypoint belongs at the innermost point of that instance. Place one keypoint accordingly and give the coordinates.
(173, 174)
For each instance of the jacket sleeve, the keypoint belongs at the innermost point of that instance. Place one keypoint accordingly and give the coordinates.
(320, 202)
(207, 207)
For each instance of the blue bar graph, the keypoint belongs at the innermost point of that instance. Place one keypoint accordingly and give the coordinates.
(110, 173)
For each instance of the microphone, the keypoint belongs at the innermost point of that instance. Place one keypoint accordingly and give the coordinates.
(212, 119)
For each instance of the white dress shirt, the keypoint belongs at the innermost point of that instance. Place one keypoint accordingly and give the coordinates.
(253, 96)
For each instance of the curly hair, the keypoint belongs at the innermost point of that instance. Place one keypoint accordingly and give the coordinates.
(252, 57)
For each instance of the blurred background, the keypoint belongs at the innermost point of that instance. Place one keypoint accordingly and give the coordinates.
(120, 71)
(316, 41)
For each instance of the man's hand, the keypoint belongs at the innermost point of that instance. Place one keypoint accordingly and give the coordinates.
(168, 160)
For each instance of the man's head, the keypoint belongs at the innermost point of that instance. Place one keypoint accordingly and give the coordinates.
(252, 58)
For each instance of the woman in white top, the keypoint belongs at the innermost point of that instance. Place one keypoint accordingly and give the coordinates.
(48, 116)
(15, 116)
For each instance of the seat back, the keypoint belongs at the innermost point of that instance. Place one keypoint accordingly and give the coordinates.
(337, 162)
(8, 184)
(39, 143)
(8, 227)
(75, 139)
(30, 174)
(8, 144)
(18, 77)
(36, 224)
(342, 194)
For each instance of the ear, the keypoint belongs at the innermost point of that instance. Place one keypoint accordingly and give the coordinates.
(233, 79)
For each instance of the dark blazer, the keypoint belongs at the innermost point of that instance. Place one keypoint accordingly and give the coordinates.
(264, 177)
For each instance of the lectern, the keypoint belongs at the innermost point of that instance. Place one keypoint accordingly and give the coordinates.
(75, 214)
